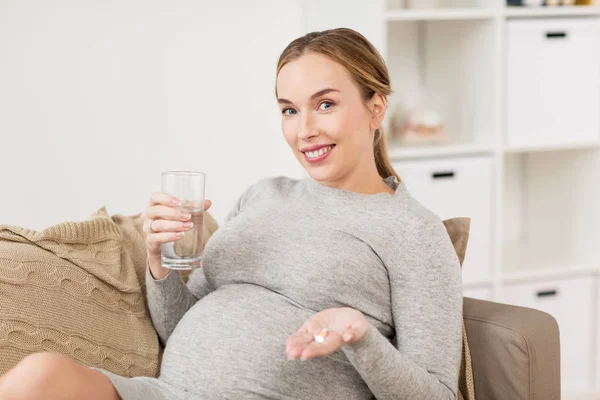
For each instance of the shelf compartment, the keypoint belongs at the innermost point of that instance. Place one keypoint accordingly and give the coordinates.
(550, 210)
(450, 68)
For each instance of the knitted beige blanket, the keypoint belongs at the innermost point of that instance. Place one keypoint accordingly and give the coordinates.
(77, 288)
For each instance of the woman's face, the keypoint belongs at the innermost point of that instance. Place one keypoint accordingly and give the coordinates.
(324, 119)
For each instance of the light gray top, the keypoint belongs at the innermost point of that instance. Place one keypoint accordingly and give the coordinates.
(291, 248)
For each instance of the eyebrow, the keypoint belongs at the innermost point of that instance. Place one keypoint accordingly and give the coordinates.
(314, 96)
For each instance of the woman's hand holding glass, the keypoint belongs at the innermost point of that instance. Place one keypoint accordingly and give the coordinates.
(163, 222)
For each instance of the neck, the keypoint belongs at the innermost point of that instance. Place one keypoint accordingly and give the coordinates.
(368, 182)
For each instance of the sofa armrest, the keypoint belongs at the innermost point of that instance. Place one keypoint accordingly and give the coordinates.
(515, 351)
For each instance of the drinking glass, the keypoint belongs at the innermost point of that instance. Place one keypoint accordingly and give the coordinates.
(188, 187)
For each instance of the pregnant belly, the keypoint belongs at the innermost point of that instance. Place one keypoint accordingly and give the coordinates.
(231, 344)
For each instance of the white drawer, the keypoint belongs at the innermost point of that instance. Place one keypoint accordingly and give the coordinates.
(570, 301)
(552, 72)
(457, 188)
(478, 293)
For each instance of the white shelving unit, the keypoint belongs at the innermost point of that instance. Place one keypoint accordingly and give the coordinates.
(535, 201)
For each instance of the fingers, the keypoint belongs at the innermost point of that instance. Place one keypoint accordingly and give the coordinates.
(311, 325)
(162, 225)
(159, 231)
(161, 198)
(156, 239)
(348, 333)
(296, 344)
(302, 343)
(165, 212)
(165, 220)
(301, 340)
(169, 211)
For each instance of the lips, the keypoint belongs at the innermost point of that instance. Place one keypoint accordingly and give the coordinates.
(319, 157)
(315, 147)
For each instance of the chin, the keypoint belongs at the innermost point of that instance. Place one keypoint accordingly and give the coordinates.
(319, 175)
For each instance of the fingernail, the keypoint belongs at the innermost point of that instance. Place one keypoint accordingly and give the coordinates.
(347, 336)
(185, 215)
(179, 234)
(176, 202)
(188, 224)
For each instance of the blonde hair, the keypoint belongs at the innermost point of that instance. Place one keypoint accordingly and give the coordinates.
(365, 66)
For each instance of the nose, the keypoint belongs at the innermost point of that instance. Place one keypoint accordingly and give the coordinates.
(306, 130)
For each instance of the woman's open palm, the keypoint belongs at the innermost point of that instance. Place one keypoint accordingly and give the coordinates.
(344, 325)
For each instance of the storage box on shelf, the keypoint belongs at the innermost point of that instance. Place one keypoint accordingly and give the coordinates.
(552, 77)
(457, 187)
(571, 302)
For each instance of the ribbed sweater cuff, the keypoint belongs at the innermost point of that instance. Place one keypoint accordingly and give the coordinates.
(171, 283)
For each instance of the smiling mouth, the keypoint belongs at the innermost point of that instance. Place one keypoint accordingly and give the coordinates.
(320, 152)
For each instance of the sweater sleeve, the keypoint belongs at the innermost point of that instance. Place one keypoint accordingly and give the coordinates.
(426, 299)
(170, 298)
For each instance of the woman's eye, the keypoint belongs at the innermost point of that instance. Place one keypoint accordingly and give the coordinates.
(326, 105)
(288, 111)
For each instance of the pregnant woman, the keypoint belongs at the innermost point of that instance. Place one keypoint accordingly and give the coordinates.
(336, 286)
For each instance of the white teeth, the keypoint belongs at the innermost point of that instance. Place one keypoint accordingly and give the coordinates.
(318, 153)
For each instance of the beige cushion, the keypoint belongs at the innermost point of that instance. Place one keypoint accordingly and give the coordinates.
(77, 288)
(458, 230)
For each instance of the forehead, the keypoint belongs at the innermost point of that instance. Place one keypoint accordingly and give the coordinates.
(310, 73)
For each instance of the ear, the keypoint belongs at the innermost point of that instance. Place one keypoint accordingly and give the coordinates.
(377, 107)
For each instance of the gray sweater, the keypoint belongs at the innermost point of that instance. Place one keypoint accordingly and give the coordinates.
(292, 248)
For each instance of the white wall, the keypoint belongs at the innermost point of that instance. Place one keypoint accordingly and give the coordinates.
(363, 16)
(97, 98)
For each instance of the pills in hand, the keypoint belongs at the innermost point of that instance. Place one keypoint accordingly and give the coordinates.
(320, 338)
